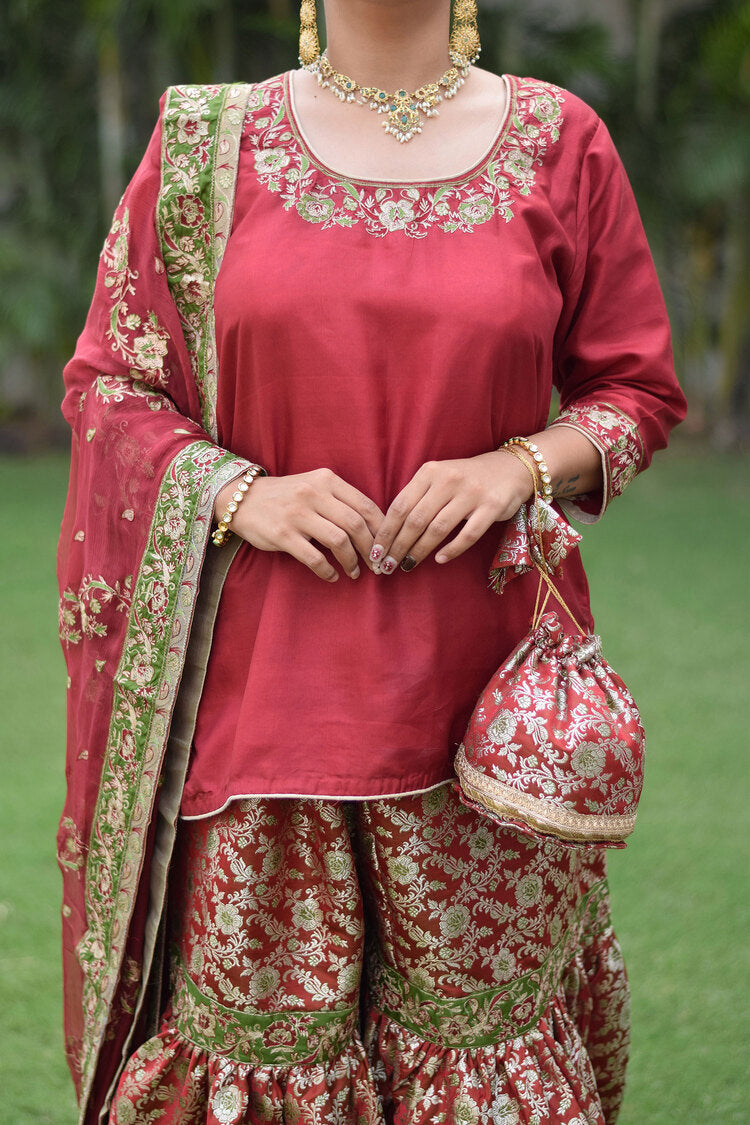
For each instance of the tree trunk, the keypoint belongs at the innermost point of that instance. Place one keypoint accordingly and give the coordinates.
(649, 21)
(110, 114)
(224, 41)
(734, 332)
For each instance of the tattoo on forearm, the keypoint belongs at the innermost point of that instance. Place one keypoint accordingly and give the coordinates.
(567, 487)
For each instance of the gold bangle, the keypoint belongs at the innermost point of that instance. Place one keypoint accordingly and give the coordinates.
(529, 466)
(544, 483)
(222, 532)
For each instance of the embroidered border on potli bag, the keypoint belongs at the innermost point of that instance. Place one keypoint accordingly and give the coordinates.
(507, 803)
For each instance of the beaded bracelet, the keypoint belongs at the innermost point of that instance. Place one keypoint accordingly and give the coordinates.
(545, 480)
(220, 535)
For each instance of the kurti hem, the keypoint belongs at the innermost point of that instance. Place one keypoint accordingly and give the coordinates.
(318, 797)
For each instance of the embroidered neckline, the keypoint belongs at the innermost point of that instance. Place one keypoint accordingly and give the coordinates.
(471, 173)
(286, 166)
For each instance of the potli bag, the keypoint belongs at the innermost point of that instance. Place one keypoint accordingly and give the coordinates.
(555, 745)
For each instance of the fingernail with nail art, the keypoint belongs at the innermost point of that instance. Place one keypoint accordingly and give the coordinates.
(376, 553)
(388, 565)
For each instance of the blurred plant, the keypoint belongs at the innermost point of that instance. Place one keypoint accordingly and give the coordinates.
(80, 82)
(689, 156)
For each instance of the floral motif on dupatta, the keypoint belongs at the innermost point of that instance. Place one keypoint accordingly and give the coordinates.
(200, 131)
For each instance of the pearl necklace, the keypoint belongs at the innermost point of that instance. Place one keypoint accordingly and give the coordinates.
(404, 109)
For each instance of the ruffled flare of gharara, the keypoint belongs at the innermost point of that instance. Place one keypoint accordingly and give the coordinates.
(172, 1081)
(544, 1077)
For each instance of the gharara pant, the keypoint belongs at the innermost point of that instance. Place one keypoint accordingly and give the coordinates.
(398, 960)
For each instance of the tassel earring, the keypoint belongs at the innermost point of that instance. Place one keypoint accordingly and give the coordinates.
(464, 44)
(309, 44)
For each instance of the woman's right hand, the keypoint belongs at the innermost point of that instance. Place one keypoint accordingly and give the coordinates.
(286, 513)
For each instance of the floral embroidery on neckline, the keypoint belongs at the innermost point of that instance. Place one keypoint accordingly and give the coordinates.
(285, 165)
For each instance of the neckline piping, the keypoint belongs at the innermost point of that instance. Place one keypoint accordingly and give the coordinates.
(460, 178)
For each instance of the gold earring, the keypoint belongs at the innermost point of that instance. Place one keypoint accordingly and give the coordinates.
(465, 45)
(309, 44)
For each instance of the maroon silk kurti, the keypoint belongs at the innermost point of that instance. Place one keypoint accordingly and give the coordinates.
(368, 327)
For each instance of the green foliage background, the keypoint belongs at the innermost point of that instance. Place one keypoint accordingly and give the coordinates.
(79, 84)
(667, 592)
(80, 80)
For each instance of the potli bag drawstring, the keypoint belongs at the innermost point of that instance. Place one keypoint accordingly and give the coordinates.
(555, 745)
(542, 566)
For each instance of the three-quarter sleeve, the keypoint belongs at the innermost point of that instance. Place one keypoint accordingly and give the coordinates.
(613, 355)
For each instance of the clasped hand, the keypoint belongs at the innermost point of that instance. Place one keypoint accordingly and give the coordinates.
(294, 513)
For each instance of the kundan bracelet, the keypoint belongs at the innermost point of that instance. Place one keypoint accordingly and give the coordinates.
(222, 531)
(545, 480)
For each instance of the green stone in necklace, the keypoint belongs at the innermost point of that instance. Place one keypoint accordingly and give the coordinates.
(404, 110)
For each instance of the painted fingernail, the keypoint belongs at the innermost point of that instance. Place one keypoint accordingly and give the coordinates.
(354, 573)
(388, 565)
(376, 553)
(408, 563)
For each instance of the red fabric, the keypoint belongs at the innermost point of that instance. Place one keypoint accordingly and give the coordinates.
(137, 517)
(371, 354)
(124, 439)
(492, 977)
(555, 745)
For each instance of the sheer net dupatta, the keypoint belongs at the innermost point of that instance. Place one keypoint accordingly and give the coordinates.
(145, 470)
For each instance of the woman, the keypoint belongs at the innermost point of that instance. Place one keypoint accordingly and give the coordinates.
(288, 290)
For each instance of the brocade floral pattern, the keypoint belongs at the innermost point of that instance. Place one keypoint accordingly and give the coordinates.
(285, 165)
(268, 924)
(616, 436)
(519, 552)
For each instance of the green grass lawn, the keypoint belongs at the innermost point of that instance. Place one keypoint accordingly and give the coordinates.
(668, 571)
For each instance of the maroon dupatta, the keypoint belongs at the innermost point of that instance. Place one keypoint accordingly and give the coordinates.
(141, 401)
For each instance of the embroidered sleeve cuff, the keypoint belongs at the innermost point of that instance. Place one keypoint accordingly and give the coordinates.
(616, 437)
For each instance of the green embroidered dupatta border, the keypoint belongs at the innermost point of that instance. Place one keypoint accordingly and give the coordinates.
(201, 128)
(199, 170)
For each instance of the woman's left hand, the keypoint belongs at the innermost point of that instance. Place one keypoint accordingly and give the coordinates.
(478, 490)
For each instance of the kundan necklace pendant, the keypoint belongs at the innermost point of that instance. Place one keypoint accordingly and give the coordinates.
(404, 109)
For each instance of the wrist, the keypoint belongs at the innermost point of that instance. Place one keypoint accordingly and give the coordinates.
(229, 499)
(528, 453)
(520, 479)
